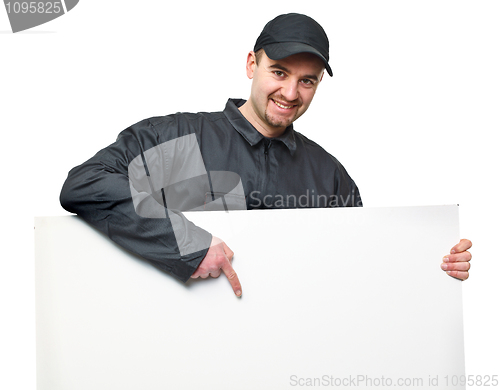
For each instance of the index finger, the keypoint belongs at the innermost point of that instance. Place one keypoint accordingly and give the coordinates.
(462, 246)
(230, 273)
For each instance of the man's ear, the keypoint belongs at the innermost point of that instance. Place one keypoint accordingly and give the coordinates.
(251, 64)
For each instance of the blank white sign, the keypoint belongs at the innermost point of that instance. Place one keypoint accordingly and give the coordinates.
(348, 297)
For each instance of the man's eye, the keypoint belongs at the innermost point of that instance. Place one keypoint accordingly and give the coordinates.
(279, 73)
(307, 82)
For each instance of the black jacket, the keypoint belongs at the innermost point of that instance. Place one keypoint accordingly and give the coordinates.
(289, 171)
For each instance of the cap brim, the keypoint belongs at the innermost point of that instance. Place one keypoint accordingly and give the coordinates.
(278, 51)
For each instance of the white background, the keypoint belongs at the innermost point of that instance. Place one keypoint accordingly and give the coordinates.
(412, 112)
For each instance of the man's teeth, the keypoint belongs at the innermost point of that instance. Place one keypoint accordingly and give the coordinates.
(281, 105)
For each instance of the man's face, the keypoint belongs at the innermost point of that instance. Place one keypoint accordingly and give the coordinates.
(282, 89)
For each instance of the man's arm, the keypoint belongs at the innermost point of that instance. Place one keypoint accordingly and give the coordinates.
(456, 264)
(99, 191)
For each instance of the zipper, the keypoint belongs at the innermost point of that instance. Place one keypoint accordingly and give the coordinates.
(267, 146)
(265, 173)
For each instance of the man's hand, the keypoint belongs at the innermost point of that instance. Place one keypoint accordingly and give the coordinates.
(457, 264)
(218, 258)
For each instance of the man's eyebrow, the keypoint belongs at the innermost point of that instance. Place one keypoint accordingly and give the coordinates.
(284, 69)
(280, 67)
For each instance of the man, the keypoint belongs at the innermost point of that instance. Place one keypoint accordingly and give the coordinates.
(248, 156)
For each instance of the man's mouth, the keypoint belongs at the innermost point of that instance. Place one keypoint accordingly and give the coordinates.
(282, 105)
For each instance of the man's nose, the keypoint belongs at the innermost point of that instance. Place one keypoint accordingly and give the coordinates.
(290, 90)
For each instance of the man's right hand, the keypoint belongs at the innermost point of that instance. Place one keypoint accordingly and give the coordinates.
(218, 258)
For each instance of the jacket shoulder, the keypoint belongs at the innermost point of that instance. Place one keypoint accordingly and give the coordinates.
(171, 126)
(314, 149)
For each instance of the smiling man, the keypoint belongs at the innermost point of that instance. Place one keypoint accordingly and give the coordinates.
(247, 156)
(282, 90)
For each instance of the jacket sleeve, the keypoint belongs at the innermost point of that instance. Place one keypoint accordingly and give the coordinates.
(101, 192)
(346, 192)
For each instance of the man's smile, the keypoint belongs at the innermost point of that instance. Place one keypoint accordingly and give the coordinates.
(283, 105)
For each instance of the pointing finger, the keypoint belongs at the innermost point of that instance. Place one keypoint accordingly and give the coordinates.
(232, 277)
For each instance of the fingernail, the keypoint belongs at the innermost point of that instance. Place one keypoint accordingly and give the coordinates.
(453, 251)
(238, 293)
(446, 259)
(444, 266)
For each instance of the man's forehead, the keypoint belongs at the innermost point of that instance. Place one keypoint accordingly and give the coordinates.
(303, 62)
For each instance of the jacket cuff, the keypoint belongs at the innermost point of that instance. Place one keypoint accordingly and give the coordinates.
(187, 265)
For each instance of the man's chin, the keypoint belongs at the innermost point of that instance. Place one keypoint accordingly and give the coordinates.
(278, 123)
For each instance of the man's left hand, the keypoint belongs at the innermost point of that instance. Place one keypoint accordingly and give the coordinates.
(457, 264)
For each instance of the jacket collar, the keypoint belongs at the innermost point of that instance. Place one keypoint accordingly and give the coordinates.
(250, 133)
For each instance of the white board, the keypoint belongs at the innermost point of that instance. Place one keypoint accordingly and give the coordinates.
(330, 297)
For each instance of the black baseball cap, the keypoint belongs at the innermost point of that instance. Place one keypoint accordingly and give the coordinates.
(291, 34)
